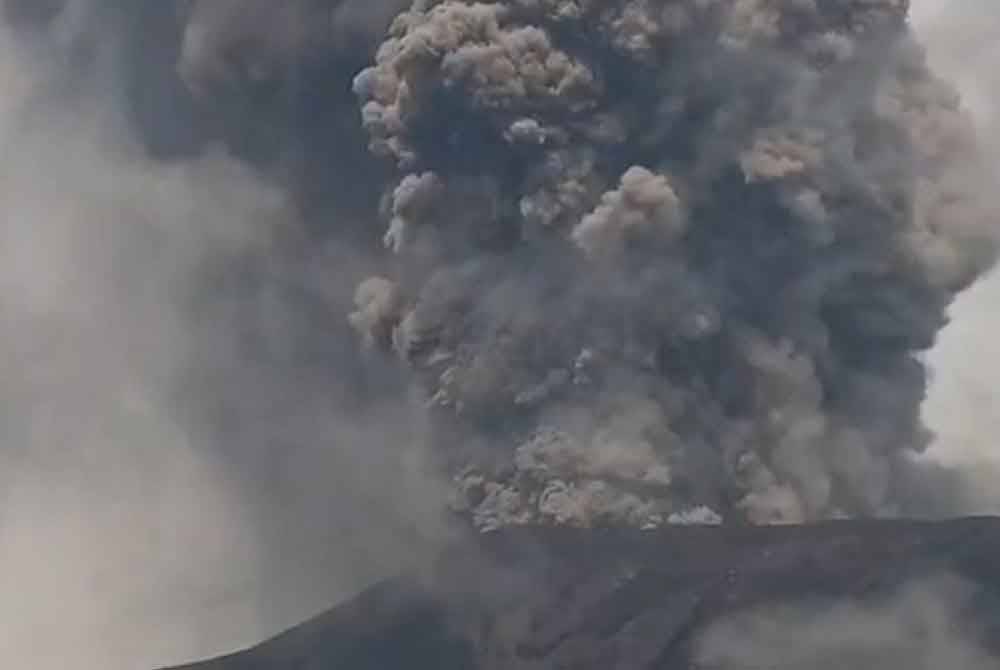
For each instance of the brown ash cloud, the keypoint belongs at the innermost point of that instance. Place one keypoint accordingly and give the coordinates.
(669, 258)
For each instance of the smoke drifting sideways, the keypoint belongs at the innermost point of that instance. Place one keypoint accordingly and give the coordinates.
(671, 261)
(183, 465)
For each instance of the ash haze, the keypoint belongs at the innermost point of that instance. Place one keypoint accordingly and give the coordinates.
(186, 467)
(145, 517)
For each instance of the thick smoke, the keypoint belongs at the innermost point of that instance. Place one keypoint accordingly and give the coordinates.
(658, 257)
(642, 262)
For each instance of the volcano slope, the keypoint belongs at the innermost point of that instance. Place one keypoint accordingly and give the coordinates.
(859, 594)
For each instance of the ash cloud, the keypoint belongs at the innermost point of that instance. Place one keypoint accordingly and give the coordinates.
(716, 236)
(732, 264)
(267, 264)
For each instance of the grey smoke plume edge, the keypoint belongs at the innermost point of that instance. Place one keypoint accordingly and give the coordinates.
(962, 405)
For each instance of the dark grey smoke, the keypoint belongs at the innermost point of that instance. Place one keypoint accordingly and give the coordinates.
(624, 263)
(707, 240)
(660, 257)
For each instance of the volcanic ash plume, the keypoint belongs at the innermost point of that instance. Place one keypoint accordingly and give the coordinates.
(669, 261)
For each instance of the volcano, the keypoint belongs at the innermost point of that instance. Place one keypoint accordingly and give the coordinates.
(860, 594)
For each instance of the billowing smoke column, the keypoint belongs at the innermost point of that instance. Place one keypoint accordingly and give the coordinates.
(664, 261)
(650, 261)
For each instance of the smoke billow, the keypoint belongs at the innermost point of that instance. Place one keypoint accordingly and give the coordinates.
(664, 257)
(266, 263)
